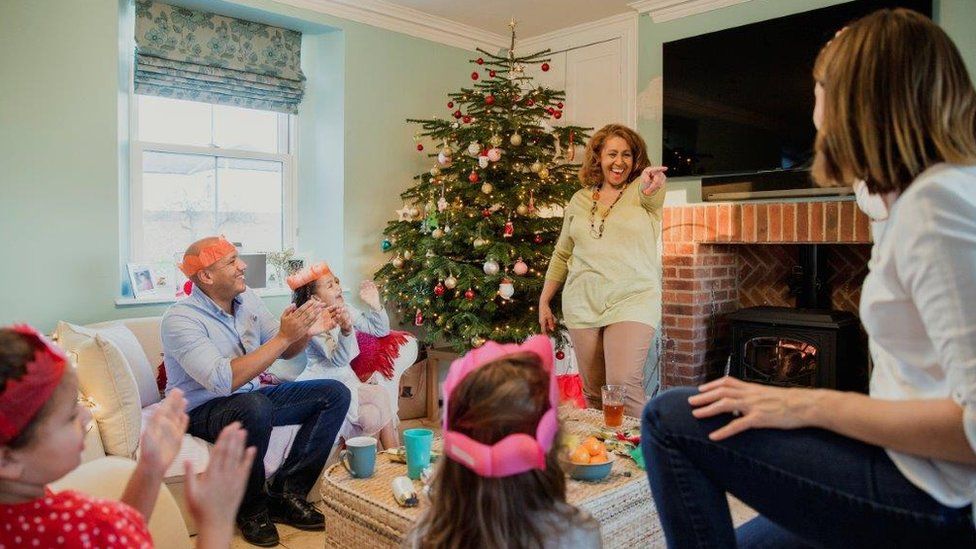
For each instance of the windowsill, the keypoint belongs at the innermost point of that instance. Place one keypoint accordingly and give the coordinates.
(135, 302)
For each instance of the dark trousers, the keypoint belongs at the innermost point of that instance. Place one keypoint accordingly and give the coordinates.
(812, 488)
(319, 406)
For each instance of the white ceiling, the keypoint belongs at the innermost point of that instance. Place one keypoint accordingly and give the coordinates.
(534, 17)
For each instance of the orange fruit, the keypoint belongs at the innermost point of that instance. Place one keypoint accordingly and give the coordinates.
(580, 456)
(594, 446)
(602, 457)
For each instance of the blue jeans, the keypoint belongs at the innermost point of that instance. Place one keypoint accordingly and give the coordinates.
(812, 488)
(319, 406)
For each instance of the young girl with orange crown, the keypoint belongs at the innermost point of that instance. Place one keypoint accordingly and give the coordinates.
(42, 429)
(501, 485)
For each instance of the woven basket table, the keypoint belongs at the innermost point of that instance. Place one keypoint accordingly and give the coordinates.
(361, 513)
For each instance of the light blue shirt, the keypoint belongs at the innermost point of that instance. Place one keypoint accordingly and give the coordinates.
(200, 340)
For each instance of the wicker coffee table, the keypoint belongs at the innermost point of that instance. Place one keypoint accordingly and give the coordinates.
(363, 513)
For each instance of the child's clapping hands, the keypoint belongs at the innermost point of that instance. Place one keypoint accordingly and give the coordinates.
(370, 294)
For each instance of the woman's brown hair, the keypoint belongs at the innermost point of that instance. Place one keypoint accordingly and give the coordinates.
(506, 396)
(591, 173)
(897, 99)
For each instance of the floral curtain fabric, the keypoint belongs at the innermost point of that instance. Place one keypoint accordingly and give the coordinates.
(199, 56)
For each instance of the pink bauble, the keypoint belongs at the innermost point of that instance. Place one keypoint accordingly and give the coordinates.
(520, 268)
(494, 154)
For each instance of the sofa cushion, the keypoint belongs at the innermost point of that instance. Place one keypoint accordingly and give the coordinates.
(105, 377)
(131, 347)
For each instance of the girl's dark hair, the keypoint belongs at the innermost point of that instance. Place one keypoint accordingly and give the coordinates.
(303, 294)
(15, 353)
(506, 396)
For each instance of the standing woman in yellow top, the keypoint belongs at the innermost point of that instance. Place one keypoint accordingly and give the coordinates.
(607, 255)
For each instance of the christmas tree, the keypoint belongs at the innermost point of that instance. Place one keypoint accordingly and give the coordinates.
(470, 247)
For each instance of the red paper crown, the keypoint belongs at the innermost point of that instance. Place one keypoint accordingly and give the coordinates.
(23, 398)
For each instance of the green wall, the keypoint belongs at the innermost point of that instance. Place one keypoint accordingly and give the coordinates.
(60, 180)
(957, 17)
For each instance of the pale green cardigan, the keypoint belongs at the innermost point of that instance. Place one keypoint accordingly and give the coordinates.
(615, 278)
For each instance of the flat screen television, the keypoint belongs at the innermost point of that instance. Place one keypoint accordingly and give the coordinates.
(739, 101)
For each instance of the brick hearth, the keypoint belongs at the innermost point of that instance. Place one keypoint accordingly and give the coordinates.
(721, 257)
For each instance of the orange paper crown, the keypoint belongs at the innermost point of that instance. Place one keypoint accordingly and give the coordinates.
(192, 264)
(314, 271)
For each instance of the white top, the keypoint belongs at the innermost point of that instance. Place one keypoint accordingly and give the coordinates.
(918, 305)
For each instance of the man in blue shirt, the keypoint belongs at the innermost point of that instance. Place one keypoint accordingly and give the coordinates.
(216, 342)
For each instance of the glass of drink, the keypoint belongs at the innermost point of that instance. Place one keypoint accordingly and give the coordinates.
(613, 404)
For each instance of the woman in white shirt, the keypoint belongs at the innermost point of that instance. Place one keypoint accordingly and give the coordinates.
(895, 108)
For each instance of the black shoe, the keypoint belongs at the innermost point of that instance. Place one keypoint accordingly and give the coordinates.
(295, 511)
(258, 530)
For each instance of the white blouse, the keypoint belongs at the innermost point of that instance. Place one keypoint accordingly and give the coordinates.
(918, 305)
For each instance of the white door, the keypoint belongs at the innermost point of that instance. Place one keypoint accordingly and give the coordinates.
(593, 85)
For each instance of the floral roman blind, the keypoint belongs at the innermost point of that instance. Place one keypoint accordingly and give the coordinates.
(199, 56)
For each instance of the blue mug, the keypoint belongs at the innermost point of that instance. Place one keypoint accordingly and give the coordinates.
(418, 443)
(359, 456)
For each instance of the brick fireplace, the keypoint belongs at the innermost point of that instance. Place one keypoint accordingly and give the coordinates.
(721, 257)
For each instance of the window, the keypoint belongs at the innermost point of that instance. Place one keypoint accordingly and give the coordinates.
(200, 169)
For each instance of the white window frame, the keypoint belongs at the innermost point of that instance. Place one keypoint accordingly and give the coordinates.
(288, 140)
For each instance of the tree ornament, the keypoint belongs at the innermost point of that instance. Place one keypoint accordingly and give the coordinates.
(531, 202)
(420, 146)
(435, 171)
(537, 238)
(450, 104)
(489, 100)
(491, 267)
(559, 105)
(536, 166)
(397, 262)
(444, 160)
(557, 115)
(560, 355)
(466, 119)
(520, 268)
(447, 229)
(530, 102)
(386, 244)
(486, 213)
(495, 140)
(545, 67)
(437, 233)
(414, 211)
(480, 61)
(474, 75)
(469, 294)
(491, 73)
(494, 154)
(407, 254)
(477, 341)
(487, 188)
(419, 319)
(506, 289)
(544, 173)
(450, 282)
(509, 229)
(403, 214)
(442, 204)
(473, 176)
(522, 209)
(457, 113)
(474, 148)
(430, 253)
(479, 242)
(516, 139)
(483, 161)
(439, 289)
(550, 110)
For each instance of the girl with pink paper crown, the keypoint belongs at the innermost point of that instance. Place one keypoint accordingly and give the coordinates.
(331, 354)
(501, 484)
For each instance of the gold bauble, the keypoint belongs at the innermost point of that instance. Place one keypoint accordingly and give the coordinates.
(407, 254)
(515, 140)
(544, 173)
(522, 209)
(397, 262)
(487, 188)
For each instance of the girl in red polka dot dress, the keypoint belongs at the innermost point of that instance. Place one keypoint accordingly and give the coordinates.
(42, 431)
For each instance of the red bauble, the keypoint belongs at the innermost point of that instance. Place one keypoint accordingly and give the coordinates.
(530, 102)
(491, 74)
(486, 213)
(550, 110)
(469, 294)
(480, 61)
(560, 355)
(439, 289)
(420, 146)
(559, 104)
(545, 67)
(474, 75)
(450, 104)
(509, 230)
(457, 113)
(466, 119)
(419, 319)
(489, 99)
(537, 239)
(473, 176)
(557, 115)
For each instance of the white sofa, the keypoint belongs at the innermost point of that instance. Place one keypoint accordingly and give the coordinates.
(117, 364)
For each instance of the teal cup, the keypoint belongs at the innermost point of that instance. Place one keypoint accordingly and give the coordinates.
(418, 443)
(359, 456)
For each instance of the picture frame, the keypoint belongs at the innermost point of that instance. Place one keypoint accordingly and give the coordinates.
(143, 280)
